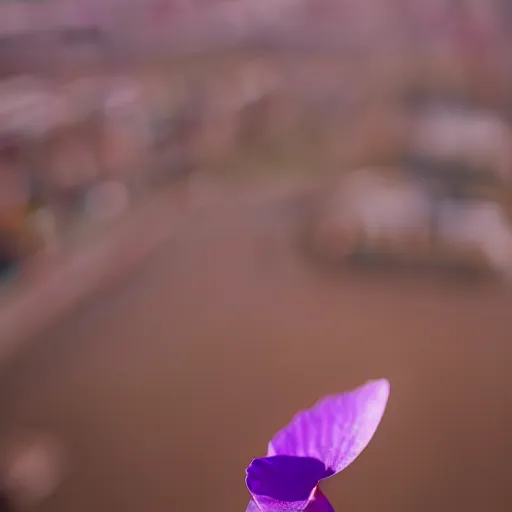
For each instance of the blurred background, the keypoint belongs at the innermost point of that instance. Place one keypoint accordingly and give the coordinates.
(214, 213)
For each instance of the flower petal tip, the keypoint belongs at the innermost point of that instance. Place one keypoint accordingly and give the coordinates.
(379, 389)
(337, 428)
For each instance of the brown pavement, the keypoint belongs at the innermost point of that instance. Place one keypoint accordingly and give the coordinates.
(52, 286)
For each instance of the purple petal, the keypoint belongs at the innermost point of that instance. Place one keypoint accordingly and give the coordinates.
(319, 503)
(283, 483)
(252, 507)
(336, 429)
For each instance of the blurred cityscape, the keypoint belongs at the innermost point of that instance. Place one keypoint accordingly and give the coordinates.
(94, 93)
(266, 148)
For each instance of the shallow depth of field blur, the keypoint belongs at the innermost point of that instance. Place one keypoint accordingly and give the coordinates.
(308, 194)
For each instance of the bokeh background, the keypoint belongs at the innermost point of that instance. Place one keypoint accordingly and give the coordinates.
(160, 317)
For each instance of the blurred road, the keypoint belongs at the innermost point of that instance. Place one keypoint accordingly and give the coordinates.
(165, 387)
